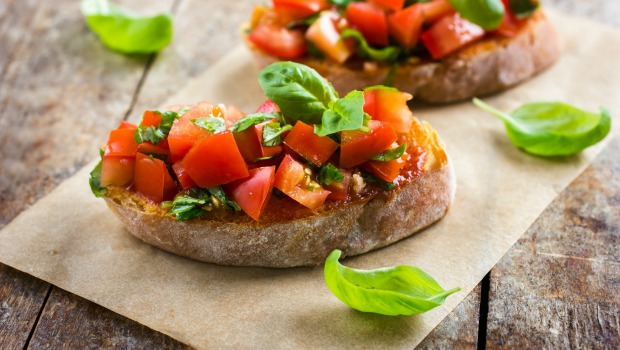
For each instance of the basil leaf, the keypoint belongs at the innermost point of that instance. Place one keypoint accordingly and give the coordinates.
(219, 194)
(94, 180)
(371, 179)
(252, 119)
(124, 31)
(398, 290)
(299, 91)
(488, 14)
(523, 8)
(272, 133)
(388, 53)
(156, 134)
(552, 128)
(196, 202)
(328, 174)
(391, 154)
(344, 114)
(212, 124)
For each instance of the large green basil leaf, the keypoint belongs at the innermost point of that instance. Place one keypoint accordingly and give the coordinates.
(399, 290)
(124, 31)
(345, 114)
(386, 54)
(299, 91)
(488, 14)
(552, 128)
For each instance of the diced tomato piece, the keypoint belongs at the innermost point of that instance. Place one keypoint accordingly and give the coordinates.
(389, 105)
(393, 5)
(406, 25)
(233, 114)
(312, 147)
(250, 143)
(279, 41)
(126, 125)
(340, 190)
(117, 171)
(370, 20)
(184, 179)
(151, 118)
(436, 9)
(387, 171)
(268, 107)
(290, 180)
(293, 10)
(152, 180)
(121, 143)
(324, 34)
(357, 147)
(184, 133)
(160, 149)
(510, 23)
(253, 192)
(215, 160)
(450, 34)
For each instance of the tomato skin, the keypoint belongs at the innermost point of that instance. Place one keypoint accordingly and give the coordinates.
(160, 149)
(340, 190)
(370, 20)
(184, 179)
(450, 34)
(127, 125)
(121, 143)
(436, 9)
(233, 114)
(389, 105)
(279, 41)
(152, 180)
(151, 118)
(268, 107)
(117, 171)
(184, 133)
(314, 148)
(324, 34)
(406, 25)
(387, 171)
(253, 193)
(357, 147)
(288, 179)
(215, 160)
(292, 10)
(393, 5)
(250, 143)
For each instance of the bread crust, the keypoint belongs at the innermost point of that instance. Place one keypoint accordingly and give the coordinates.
(487, 66)
(355, 228)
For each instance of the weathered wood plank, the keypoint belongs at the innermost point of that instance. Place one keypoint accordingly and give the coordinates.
(21, 299)
(70, 322)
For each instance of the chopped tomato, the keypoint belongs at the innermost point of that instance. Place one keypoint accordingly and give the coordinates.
(290, 179)
(340, 190)
(215, 160)
(436, 9)
(387, 171)
(233, 114)
(370, 20)
(126, 125)
(121, 143)
(151, 118)
(184, 133)
(250, 143)
(357, 147)
(279, 41)
(117, 171)
(324, 34)
(312, 147)
(450, 34)
(510, 23)
(393, 5)
(406, 25)
(253, 192)
(160, 149)
(389, 105)
(152, 179)
(268, 107)
(293, 10)
(184, 179)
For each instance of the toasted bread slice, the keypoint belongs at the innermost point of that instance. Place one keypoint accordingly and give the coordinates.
(487, 66)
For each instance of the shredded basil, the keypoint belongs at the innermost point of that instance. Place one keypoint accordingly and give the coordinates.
(156, 134)
(391, 154)
(371, 179)
(212, 124)
(196, 202)
(386, 54)
(328, 174)
(253, 119)
(272, 133)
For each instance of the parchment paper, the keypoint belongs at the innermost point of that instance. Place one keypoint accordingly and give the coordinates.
(71, 240)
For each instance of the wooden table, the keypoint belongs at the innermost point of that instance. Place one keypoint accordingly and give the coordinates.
(61, 91)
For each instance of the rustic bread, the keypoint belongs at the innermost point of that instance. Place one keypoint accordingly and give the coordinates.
(490, 65)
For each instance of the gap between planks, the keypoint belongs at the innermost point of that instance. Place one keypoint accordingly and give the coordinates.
(485, 286)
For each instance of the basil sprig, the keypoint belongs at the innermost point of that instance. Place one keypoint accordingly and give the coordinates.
(196, 202)
(488, 14)
(156, 134)
(398, 290)
(552, 128)
(212, 124)
(124, 31)
(253, 119)
(386, 54)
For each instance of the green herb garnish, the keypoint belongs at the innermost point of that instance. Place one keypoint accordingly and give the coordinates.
(391, 154)
(488, 14)
(272, 133)
(196, 202)
(94, 180)
(212, 124)
(399, 290)
(344, 114)
(386, 54)
(523, 8)
(124, 31)
(328, 174)
(156, 134)
(253, 119)
(371, 179)
(552, 128)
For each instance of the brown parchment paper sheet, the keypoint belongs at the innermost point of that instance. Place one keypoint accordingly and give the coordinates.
(71, 240)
